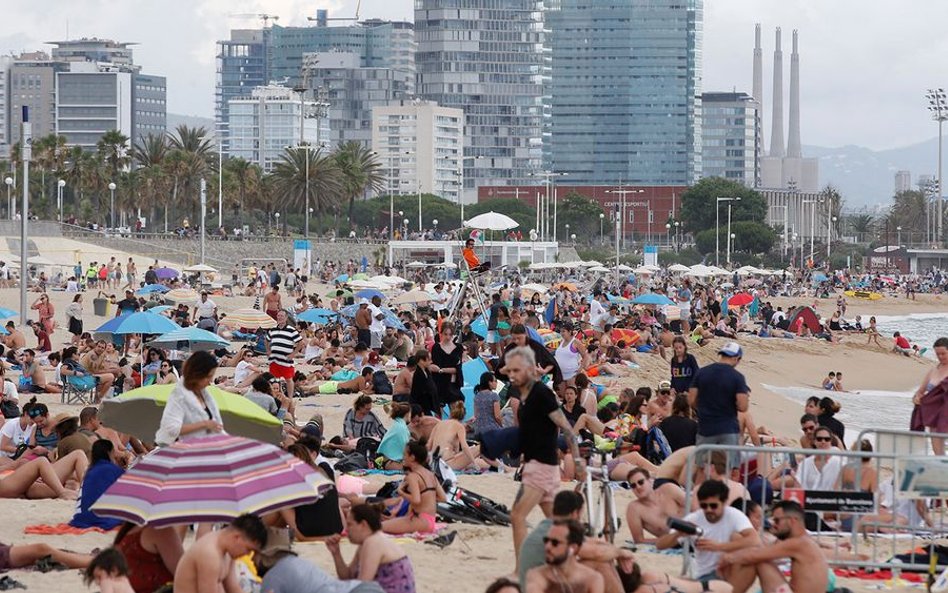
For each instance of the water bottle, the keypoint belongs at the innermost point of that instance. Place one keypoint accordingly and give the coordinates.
(685, 527)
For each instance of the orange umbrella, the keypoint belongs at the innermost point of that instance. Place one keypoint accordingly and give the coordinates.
(629, 336)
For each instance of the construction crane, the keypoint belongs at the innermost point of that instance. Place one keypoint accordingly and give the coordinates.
(341, 18)
(266, 18)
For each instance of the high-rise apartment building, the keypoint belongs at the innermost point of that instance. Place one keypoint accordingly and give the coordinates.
(5, 63)
(730, 147)
(241, 67)
(623, 86)
(32, 83)
(268, 121)
(903, 181)
(420, 146)
(90, 103)
(486, 57)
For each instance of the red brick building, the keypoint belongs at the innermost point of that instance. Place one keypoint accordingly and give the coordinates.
(647, 208)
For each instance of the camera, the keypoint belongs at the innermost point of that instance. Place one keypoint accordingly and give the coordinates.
(685, 527)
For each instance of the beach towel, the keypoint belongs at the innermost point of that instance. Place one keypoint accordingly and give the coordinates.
(931, 413)
(61, 529)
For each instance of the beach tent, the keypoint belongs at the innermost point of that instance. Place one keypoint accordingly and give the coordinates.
(809, 318)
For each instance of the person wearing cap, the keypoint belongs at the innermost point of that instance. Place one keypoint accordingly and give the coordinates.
(205, 313)
(127, 305)
(363, 321)
(718, 392)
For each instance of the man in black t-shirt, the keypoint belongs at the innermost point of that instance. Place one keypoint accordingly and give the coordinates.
(718, 392)
(127, 305)
(540, 420)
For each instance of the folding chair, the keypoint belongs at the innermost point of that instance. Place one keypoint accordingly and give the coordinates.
(77, 393)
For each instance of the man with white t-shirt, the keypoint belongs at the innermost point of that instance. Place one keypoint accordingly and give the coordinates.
(724, 529)
(205, 313)
(377, 328)
(439, 303)
(597, 313)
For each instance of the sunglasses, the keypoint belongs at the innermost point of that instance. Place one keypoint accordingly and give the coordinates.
(638, 483)
(808, 428)
(823, 439)
(35, 413)
(709, 506)
(552, 540)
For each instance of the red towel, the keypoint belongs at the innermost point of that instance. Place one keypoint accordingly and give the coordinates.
(61, 529)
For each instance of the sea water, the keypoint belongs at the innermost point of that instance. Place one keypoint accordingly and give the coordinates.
(873, 408)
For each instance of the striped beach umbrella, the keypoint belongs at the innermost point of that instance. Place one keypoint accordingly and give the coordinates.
(209, 480)
(248, 318)
(181, 295)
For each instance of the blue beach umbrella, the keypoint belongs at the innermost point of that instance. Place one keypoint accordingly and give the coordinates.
(391, 320)
(320, 316)
(4, 313)
(191, 339)
(341, 278)
(150, 288)
(159, 309)
(138, 323)
(369, 293)
(652, 298)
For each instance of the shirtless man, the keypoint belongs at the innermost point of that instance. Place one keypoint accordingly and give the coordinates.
(650, 510)
(563, 571)
(402, 388)
(422, 426)
(33, 370)
(97, 363)
(16, 340)
(808, 568)
(272, 302)
(208, 565)
(450, 437)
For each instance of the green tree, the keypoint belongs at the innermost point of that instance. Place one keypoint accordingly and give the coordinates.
(909, 211)
(752, 237)
(862, 225)
(290, 184)
(360, 171)
(699, 204)
(582, 216)
(246, 176)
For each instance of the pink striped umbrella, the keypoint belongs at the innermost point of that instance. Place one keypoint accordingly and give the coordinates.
(208, 480)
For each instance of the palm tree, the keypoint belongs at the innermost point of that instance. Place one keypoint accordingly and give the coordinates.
(245, 175)
(325, 182)
(150, 150)
(193, 140)
(862, 225)
(360, 170)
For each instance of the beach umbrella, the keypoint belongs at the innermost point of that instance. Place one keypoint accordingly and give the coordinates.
(491, 221)
(391, 280)
(369, 293)
(652, 298)
(341, 278)
(159, 309)
(319, 316)
(630, 336)
(346, 293)
(182, 295)
(416, 264)
(4, 313)
(534, 287)
(360, 276)
(138, 413)
(144, 322)
(567, 285)
(166, 273)
(623, 268)
(248, 318)
(550, 338)
(678, 268)
(592, 264)
(600, 269)
(741, 298)
(643, 271)
(410, 297)
(150, 288)
(190, 339)
(200, 268)
(618, 300)
(210, 479)
(391, 320)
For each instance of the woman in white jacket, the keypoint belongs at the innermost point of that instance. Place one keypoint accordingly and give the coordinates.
(191, 411)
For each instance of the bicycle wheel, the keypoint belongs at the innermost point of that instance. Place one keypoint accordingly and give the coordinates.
(611, 521)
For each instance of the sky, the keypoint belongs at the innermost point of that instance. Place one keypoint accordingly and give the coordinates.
(864, 64)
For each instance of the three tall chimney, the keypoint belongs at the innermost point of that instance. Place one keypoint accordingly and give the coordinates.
(793, 136)
(776, 129)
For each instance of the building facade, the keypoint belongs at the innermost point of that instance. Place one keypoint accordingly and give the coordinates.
(269, 121)
(241, 67)
(149, 106)
(32, 84)
(903, 181)
(90, 103)
(5, 63)
(623, 86)
(486, 57)
(420, 146)
(730, 146)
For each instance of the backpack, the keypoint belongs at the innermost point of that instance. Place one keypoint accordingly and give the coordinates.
(657, 448)
(380, 383)
(368, 447)
(352, 462)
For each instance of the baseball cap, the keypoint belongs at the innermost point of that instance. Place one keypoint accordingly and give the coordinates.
(731, 350)
(363, 301)
(664, 385)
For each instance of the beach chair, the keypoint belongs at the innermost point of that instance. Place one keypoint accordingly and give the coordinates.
(78, 390)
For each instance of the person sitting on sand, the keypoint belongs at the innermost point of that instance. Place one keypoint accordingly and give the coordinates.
(38, 478)
(449, 437)
(562, 570)
(650, 510)
(109, 571)
(421, 490)
(208, 565)
(152, 553)
(901, 344)
(102, 473)
(20, 433)
(378, 558)
(391, 449)
(829, 382)
(33, 371)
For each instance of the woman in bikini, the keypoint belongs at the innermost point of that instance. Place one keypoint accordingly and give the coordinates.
(378, 558)
(450, 438)
(421, 490)
(934, 422)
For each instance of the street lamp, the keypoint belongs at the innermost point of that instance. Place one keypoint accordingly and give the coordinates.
(730, 238)
(668, 227)
(829, 235)
(938, 105)
(573, 238)
(10, 208)
(112, 189)
(717, 227)
(898, 236)
(59, 198)
(435, 224)
(405, 222)
(813, 204)
(567, 229)
(677, 241)
(277, 216)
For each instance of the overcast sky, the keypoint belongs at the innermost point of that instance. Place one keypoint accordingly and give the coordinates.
(865, 64)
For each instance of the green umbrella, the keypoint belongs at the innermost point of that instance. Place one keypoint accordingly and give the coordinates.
(139, 411)
(359, 276)
(346, 293)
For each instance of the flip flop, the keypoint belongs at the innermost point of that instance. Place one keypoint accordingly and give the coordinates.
(47, 564)
(7, 583)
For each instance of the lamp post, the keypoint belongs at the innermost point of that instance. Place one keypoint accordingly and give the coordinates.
(730, 237)
(813, 204)
(938, 105)
(717, 226)
(602, 238)
(573, 238)
(668, 227)
(277, 224)
(898, 236)
(829, 234)
(620, 212)
(567, 229)
(59, 197)
(405, 222)
(203, 215)
(677, 240)
(112, 190)
(434, 223)
(10, 208)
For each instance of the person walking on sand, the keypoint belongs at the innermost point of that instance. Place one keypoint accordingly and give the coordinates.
(930, 399)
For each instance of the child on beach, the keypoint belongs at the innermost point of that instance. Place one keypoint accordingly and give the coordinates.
(109, 572)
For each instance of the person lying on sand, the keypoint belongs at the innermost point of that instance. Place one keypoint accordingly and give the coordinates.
(39, 478)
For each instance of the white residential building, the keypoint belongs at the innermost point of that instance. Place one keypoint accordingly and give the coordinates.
(420, 146)
(267, 122)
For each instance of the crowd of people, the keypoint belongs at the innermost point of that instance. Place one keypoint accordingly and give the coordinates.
(553, 383)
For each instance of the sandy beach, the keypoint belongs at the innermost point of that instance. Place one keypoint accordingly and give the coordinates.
(484, 553)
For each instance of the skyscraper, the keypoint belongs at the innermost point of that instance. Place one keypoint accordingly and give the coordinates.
(241, 67)
(729, 137)
(486, 58)
(623, 91)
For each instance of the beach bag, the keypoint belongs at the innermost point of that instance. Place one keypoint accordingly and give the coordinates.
(10, 409)
(352, 462)
(368, 447)
(25, 384)
(657, 448)
(380, 383)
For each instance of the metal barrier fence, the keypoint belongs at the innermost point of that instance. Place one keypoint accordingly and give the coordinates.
(773, 461)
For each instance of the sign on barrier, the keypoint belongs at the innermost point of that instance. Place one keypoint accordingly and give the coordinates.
(921, 477)
(835, 501)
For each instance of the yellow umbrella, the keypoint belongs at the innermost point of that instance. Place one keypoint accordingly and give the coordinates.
(249, 318)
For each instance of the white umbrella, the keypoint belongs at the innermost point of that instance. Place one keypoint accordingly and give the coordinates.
(699, 270)
(491, 221)
(678, 268)
(200, 268)
(573, 264)
(388, 279)
(652, 267)
(624, 268)
(716, 271)
(534, 287)
(592, 264)
(643, 271)
(449, 265)
(600, 269)
(370, 284)
(410, 297)
(416, 264)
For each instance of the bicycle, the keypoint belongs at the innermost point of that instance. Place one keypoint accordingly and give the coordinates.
(602, 518)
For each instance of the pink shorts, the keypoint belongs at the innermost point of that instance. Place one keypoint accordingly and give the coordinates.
(542, 477)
